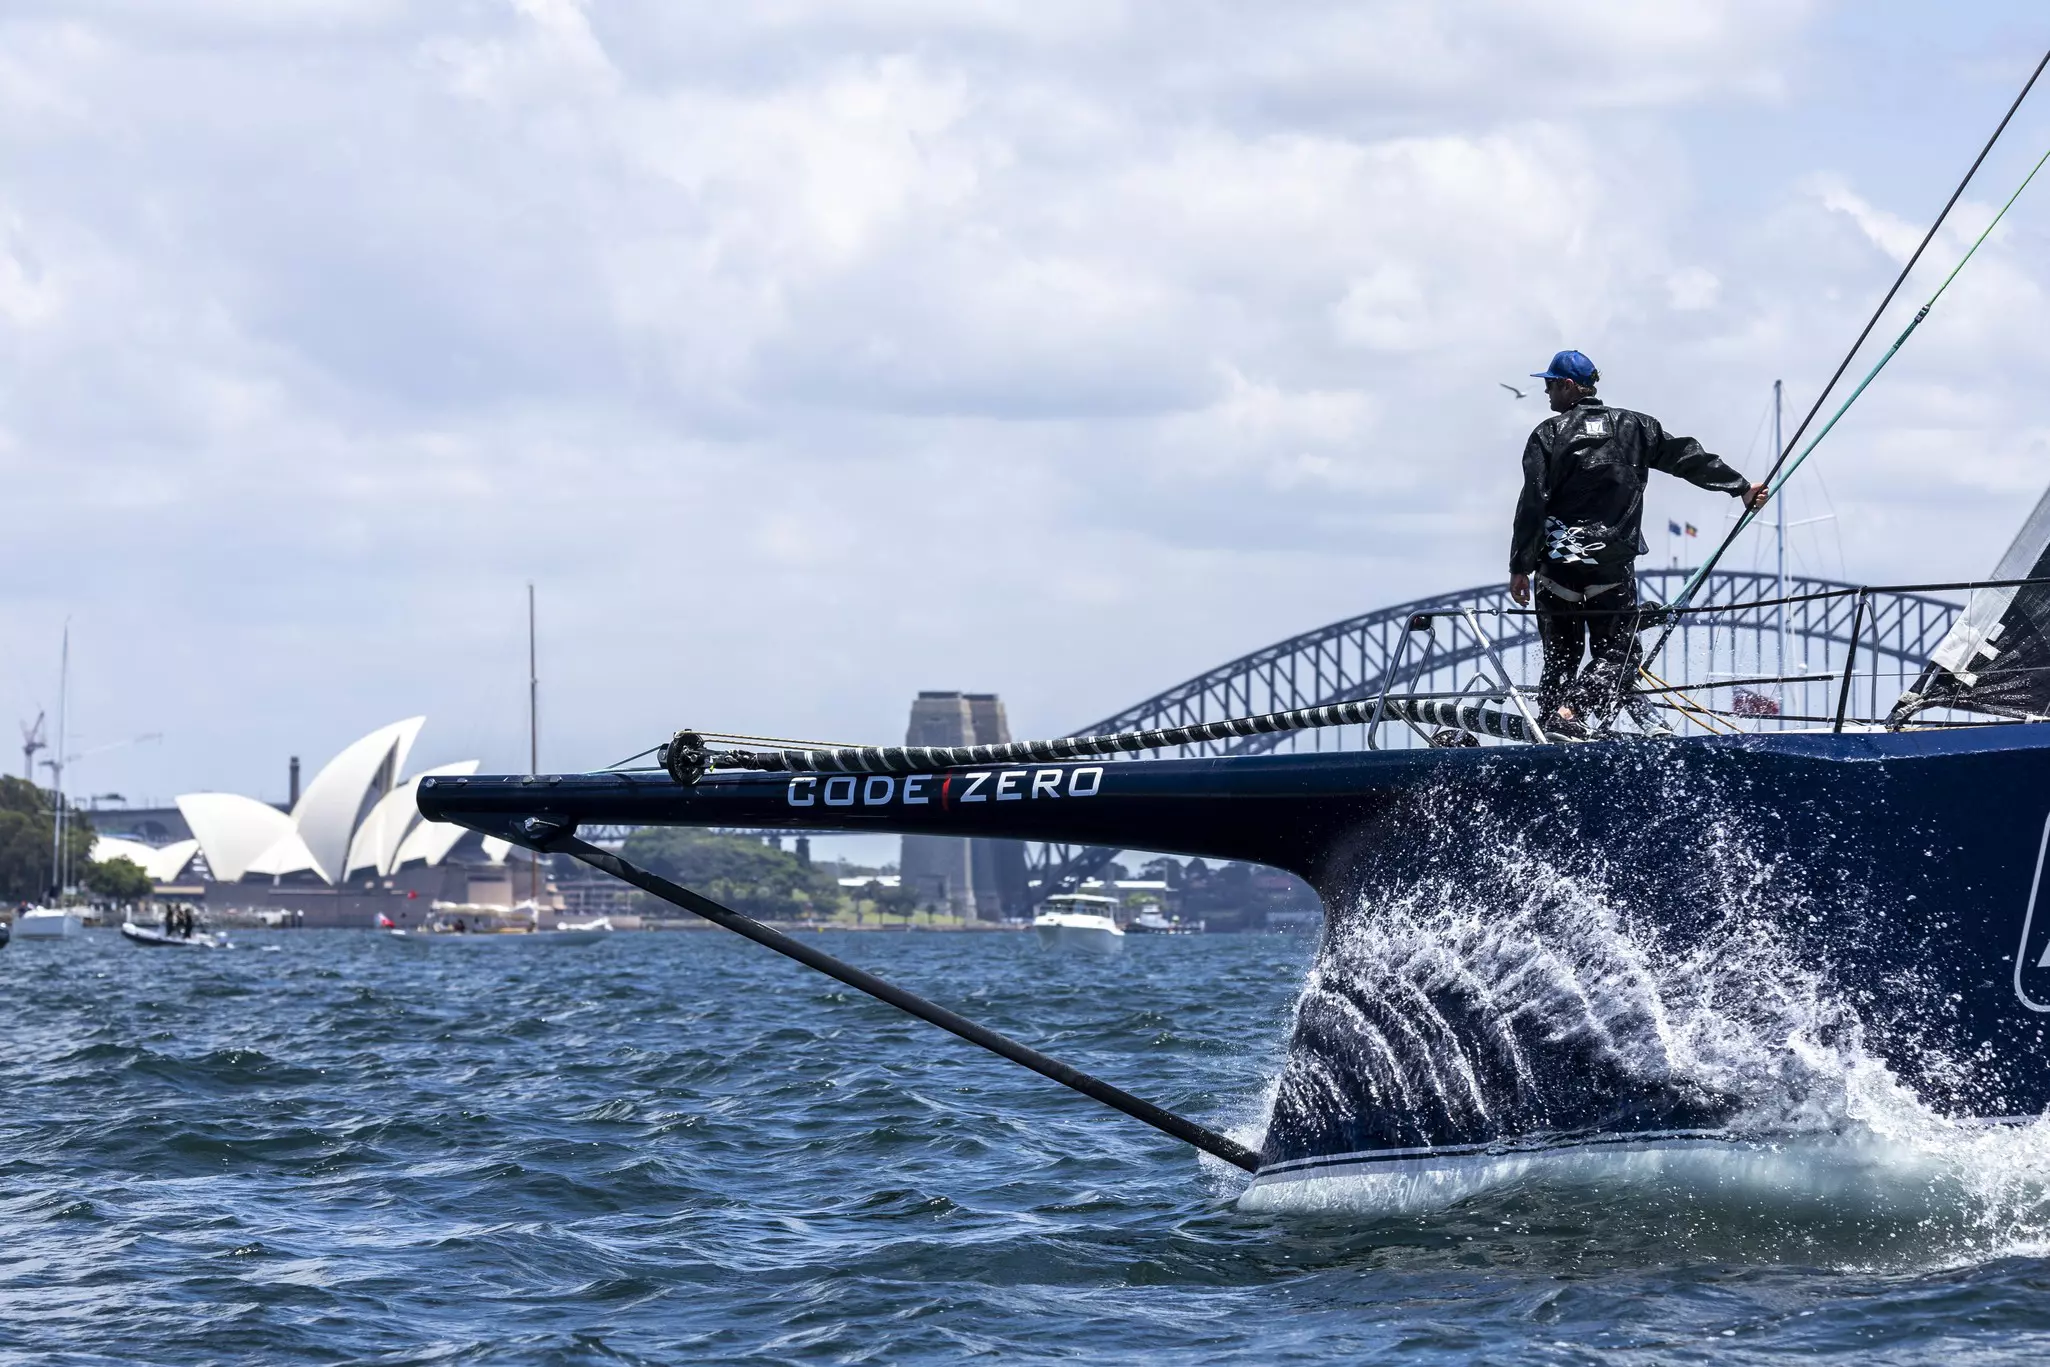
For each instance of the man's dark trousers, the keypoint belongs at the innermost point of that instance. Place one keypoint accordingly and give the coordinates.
(1603, 624)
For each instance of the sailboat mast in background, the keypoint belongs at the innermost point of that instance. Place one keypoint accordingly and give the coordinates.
(533, 743)
(1780, 540)
(56, 762)
(533, 693)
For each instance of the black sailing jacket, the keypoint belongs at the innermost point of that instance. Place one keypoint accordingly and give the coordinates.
(1584, 472)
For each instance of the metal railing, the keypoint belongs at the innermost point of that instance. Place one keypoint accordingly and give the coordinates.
(1729, 665)
(1745, 665)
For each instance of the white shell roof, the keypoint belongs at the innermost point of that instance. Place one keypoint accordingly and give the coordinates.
(356, 814)
(161, 863)
(430, 843)
(341, 795)
(171, 860)
(114, 847)
(288, 854)
(232, 829)
(379, 838)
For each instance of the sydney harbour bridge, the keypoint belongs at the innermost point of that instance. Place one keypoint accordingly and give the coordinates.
(1741, 668)
(1838, 652)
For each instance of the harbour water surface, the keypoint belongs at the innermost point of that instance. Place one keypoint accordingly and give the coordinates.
(325, 1147)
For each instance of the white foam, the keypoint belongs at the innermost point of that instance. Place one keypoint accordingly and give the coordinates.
(1824, 1128)
(1799, 1177)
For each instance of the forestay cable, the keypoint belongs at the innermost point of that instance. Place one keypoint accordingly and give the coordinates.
(1686, 594)
(688, 758)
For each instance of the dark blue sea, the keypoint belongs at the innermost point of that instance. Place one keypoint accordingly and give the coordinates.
(325, 1147)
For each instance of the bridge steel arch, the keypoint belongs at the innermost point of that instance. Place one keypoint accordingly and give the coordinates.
(1360, 656)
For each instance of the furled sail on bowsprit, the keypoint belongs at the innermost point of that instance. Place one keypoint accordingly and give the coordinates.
(1996, 656)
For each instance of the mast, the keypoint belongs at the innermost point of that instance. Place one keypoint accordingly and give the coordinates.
(533, 692)
(533, 744)
(1780, 544)
(58, 815)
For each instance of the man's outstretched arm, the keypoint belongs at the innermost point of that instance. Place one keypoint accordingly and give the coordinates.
(1684, 456)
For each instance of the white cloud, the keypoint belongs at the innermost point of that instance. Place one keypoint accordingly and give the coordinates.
(29, 297)
(1692, 289)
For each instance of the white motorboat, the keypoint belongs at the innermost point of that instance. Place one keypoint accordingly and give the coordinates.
(47, 923)
(1080, 919)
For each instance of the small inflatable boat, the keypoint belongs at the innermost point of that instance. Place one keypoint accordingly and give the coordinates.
(151, 938)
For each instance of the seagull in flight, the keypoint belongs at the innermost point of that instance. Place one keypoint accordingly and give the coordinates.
(1512, 389)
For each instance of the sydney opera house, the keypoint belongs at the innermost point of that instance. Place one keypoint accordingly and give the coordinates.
(349, 848)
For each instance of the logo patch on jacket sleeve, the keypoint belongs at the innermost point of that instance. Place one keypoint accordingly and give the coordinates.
(1596, 427)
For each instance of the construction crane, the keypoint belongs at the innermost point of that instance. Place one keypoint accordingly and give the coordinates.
(31, 741)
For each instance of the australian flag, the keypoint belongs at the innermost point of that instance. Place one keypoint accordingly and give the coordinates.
(1672, 529)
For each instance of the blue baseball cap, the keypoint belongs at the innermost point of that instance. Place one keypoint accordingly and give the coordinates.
(1568, 365)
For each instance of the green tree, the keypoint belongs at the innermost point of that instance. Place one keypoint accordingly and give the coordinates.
(1167, 870)
(889, 901)
(738, 870)
(119, 879)
(25, 830)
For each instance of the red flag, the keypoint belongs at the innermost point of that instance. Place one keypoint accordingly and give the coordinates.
(386, 923)
(1749, 704)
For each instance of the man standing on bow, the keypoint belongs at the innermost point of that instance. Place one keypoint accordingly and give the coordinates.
(1578, 533)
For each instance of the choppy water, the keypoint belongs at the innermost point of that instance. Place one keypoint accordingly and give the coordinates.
(323, 1147)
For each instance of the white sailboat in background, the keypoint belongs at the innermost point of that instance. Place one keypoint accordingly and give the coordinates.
(455, 927)
(58, 922)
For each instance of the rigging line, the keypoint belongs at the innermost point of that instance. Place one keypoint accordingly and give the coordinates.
(732, 735)
(1686, 706)
(777, 740)
(1915, 322)
(1701, 717)
(1870, 323)
(1960, 586)
(1919, 724)
(1744, 683)
(1792, 466)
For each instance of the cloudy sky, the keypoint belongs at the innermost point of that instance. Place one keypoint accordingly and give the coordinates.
(809, 354)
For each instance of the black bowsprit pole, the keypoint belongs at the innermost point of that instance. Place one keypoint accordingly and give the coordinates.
(1166, 1121)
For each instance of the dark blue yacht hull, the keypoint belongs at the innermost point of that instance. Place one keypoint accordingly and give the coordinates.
(1891, 875)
